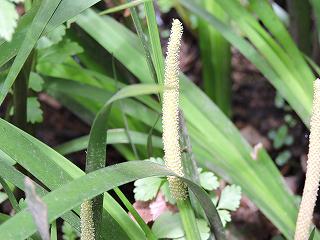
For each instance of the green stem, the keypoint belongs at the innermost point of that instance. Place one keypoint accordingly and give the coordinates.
(189, 163)
(144, 43)
(150, 235)
(20, 94)
(188, 220)
(54, 235)
(300, 24)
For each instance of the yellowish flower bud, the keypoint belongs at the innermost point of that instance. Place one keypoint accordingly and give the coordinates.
(310, 190)
(170, 111)
(86, 216)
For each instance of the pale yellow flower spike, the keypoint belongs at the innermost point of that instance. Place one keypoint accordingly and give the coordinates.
(310, 190)
(170, 111)
(86, 217)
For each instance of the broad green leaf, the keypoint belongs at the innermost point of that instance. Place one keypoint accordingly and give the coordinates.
(59, 52)
(52, 37)
(209, 181)
(103, 180)
(230, 198)
(8, 19)
(35, 82)
(166, 192)
(168, 226)
(34, 112)
(146, 188)
(225, 216)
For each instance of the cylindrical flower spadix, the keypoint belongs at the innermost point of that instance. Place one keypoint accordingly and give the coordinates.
(86, 218)
(170, 111)
(310, 190)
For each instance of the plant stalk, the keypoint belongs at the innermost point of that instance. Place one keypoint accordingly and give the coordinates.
(188, 220)
(20, 94)
(300, 24)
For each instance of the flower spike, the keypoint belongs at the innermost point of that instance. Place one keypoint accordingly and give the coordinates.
(170, 112)
(310, 190)
(86, 216)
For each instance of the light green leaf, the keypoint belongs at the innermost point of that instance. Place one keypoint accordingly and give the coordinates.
(35, 82)
(230, 198)
(34, 112)
(165, 5)
(168, 225)
(8, 19)
(146, 188)
(16, 1)
(68, 232)
(103, 180)
(203, 229)
(283, 158)
(51, 38)
(156, 160)
(209, 181)
(167, 194)
(58, 53)
(3, 197)
(225, 216)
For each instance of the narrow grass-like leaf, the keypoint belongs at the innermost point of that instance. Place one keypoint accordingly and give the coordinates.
(115, 136)
(96, 152)
(149, 234)
(316, 10)
(53, 231)
(15, 177)
(157, 56)
(123, 6)
(269, 64)
(104, 179)
(146, 48)
(39, 23)
(31, 151)
(216, 59)
(10, 195)
(216, 142)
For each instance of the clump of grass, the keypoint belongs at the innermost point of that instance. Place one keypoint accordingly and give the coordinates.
(310, 190)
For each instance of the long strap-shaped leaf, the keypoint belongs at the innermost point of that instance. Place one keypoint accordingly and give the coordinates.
(65, 11)
(72, 194)
(15, 177)
(45, 165)
(115, 136)
(273, 72)
(96, 153)
(39, 23)
(216, 142)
